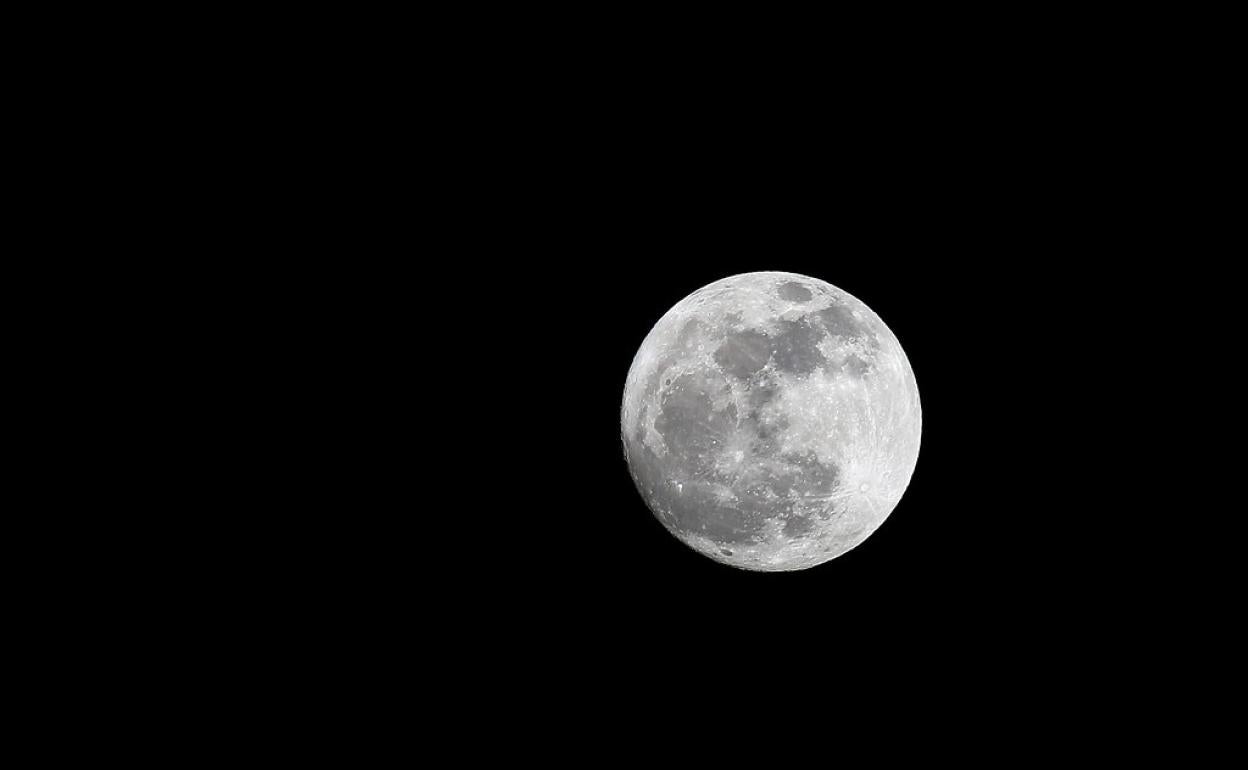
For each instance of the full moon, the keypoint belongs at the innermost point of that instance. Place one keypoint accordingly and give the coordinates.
(771, 421)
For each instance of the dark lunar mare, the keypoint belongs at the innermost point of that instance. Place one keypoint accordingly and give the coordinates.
(743, 354)
(773, 493)
(690, 425)
(839, 321)
(696, 434)
(794, 347)
(698, 510)
(793, 292)
(687, 484)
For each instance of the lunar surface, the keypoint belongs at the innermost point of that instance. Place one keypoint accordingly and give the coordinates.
(771, 421)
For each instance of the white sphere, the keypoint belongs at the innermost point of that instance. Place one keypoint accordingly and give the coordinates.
(771, 421)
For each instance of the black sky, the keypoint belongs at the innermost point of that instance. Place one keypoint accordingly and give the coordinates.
(989, 528)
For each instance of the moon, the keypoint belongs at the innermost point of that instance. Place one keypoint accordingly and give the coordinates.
(771, 421)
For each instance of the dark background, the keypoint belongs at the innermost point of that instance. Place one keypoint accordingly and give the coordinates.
(438, 266)
(1018, 253)
(496, 239)
(1011, 256)
(1029, 266)
(990, 543)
